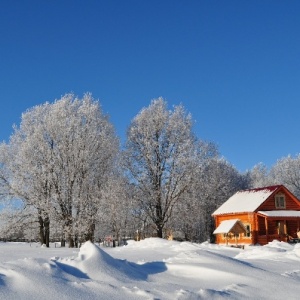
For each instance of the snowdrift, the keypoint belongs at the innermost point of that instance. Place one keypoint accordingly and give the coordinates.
(150, 269)
(96, 264)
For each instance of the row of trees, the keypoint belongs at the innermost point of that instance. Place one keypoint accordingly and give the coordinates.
(64, 176)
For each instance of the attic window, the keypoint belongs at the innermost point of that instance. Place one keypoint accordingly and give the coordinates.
(280, 201)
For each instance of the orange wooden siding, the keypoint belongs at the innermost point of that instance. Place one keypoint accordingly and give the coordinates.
(242, 239)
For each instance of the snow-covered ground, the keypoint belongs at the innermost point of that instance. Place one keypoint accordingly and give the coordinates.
(150, 269)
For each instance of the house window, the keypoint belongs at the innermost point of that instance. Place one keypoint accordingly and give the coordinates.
(280, 201)
(248, 230)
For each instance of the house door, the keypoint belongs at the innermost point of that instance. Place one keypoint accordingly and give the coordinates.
(281, 228)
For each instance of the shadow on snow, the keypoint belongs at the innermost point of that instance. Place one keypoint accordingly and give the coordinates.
(96, 262)
(71, 270)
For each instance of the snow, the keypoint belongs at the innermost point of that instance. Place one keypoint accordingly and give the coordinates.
(227, 225)
(150, 269)
(280, 213)
(245, 201)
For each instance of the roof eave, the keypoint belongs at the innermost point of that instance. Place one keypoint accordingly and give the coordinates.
(233, 213)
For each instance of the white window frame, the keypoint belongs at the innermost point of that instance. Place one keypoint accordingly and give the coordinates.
(280, 201)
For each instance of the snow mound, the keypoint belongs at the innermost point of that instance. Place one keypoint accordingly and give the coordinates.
(271, 250)
(149, 243)
(95, 263)
(158, 244)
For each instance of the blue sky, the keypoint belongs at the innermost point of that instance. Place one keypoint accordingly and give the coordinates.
(235, 65)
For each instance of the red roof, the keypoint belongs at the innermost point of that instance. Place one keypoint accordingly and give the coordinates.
(271, 188)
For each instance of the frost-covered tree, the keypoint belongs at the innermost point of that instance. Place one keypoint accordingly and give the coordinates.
(160, 158)
(259, 176)
(219, 180)
(18, 222)
(116, 217)
(59, 160)
(215, 182)
(188, 212)
(286, 171)
(16, 185)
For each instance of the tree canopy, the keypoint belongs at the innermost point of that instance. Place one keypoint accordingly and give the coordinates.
(58, 161)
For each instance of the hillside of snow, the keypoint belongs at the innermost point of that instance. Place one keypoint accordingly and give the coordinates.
(150, 269)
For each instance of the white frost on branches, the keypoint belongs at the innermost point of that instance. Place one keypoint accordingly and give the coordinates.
(59, 159)
(160, 156)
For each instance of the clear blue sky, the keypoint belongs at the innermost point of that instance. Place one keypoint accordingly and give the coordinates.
(235, 65)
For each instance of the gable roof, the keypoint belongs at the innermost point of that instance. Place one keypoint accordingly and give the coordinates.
(247, 200)
(234, 226)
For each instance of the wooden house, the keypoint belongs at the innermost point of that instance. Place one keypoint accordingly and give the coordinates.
(258, 216)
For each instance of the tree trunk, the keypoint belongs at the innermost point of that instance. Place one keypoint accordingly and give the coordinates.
(62, 238)
(159, 230)
(68, 228)
(42, 234)
(71, 241)
(90, 234)
(44, 225)
(47, 231)
(159, 218)
(76, 242)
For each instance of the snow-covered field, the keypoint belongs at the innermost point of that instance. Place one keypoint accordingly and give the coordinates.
(150, 269)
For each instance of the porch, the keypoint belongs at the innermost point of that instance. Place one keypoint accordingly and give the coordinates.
(277, 225)
(265, 239)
